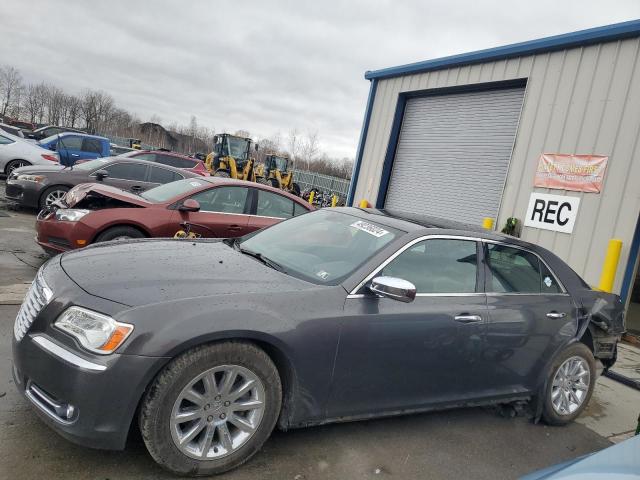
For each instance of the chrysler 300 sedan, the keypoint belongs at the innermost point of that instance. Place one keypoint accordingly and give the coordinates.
(335, 315)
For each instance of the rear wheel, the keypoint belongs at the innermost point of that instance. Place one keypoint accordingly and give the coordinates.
(262, 180)
(122, 232)
(211, 409)
(13, 164)
(295, 189)
(570, 385)
(222, 174)
(53, 194)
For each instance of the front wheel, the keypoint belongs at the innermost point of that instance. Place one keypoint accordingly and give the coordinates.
(570, 385)
(211, 409)
(295, 189)
(52, 195)
(222, 174)
(123, 232)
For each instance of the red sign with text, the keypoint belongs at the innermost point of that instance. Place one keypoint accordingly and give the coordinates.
(578, 173)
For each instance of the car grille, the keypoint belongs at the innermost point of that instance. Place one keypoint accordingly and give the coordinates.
(38, 296)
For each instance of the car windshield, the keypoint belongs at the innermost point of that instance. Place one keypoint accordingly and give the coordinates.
(168, 191)
(322, 247)
(91, 164)
(236, 147)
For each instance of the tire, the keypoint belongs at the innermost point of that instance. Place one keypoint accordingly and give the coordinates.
(119, 233)
(222, 174)
(262, 180)
(577, 353)
(164, 398)
(274, 183)
(52, 193)
(295, 189)
(13, 164)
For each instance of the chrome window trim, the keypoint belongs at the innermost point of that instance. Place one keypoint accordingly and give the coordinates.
(407, 246)
(66, 355)
(353, 293)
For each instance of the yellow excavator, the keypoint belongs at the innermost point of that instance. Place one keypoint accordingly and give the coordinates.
(275, 172)
(231, 157)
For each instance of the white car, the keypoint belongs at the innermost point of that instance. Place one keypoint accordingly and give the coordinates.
(16, 152)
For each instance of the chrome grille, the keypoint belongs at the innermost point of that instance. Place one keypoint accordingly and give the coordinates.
(38, 296)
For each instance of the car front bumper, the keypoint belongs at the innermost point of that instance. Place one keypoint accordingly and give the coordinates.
(22, 193)
(56, 236)
(89, 401)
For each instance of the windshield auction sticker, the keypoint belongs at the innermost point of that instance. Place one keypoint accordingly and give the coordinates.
(370, 228)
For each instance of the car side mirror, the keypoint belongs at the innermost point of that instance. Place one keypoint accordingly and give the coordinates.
(101, 175)
(215, 139)
(395, 288)
(189, 205)
(257, 147)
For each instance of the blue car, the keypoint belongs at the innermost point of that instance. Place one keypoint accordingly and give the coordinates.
(619, 462)
(76, 146)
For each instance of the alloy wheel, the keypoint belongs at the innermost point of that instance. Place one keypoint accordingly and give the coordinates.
(570, 385)
(54, 196)
(217, 412)
(15, 165)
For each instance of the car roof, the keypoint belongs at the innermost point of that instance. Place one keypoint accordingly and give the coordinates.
(77, 134)
(121, 159)
(260, 186)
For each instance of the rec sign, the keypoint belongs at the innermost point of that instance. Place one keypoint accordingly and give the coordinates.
(552, 212)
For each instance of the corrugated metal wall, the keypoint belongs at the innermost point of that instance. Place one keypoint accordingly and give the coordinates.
(581, 100)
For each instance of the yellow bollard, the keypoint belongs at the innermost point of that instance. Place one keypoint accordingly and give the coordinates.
(364, 204)
(311, 195)
(608, 275)
(334, 200)
(487, 223)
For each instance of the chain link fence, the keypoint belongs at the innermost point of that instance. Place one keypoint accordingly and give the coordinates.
(326, 183)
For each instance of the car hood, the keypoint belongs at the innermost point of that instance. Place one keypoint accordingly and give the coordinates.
(80, 192)
(142, 272)
(32, 169)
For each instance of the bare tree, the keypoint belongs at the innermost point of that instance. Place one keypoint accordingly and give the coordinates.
(309, 148)
(10, 85)
(74, 109)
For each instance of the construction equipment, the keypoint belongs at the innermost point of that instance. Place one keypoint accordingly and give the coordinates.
(275, 172)
(231, 158)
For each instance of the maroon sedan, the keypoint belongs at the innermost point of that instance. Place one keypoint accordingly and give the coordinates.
(214, 207)
(170, 158)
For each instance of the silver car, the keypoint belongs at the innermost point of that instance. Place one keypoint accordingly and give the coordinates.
(16, 152)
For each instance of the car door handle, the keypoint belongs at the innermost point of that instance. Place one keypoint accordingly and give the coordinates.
(556, 314)
(466, 319)
(235, 228)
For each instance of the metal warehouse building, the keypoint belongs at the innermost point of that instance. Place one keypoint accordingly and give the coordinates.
(463, 136)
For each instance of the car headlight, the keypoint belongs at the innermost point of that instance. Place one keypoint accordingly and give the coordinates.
(31, 178)
(95, 332)
(70, 214)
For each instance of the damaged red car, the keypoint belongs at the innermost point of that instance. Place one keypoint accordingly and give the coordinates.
(209, 206)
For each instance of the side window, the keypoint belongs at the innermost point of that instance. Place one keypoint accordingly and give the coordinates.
(438, 266)
(162, 175)
(5, 140)
(127, 171)
(273, 205)
(298, 209)
(512, 270)
(223, 199)
(70, 143)
(175, 161)
(92, 145)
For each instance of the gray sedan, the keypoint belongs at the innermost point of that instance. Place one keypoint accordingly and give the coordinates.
(339, 314)
(40, 186)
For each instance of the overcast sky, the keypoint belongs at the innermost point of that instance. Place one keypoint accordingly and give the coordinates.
(265, 66)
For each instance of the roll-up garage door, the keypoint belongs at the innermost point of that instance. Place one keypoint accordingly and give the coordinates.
(453, 154)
